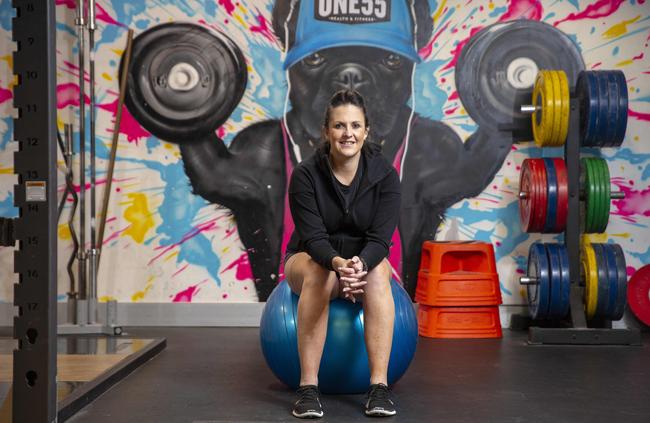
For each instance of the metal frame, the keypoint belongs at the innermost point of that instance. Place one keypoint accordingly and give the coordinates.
(601, 332)
(35, 261)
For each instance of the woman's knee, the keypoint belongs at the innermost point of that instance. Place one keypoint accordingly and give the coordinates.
(379, 277)
(307, 275)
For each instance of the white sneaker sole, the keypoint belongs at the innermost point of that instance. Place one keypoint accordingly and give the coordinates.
(380, 412)
(308, 415)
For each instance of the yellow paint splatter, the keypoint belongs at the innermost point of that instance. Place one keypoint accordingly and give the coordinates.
(624, 63)
(9, 59)
(636, 138)
(506, 180)
(106, 76)
(619, 29)
(225, 250)
(598, 238)
(168, 145)
(118, 51)
(240, 20)
(140, 217)
(6, 170)
(64, 231)
(439, 11)
(623, 235)
(491, 6)
(171, 256)
(106, 298)
(242, 8)
(140, 294)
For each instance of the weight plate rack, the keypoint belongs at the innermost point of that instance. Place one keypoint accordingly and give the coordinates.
(35, 261)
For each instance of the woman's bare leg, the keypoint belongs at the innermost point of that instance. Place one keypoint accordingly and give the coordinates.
(379, 316)
(316, 286)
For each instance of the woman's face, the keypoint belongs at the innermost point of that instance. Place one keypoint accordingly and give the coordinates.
(346, 131)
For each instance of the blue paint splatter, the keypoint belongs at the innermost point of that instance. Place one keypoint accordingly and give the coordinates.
(6, 13)
(142, 23)
(615, 51)
(645, 99)
(549, 16)
(629, 156)
(429, 97)
(575, 4)
(642, 257)
(7, 208)
(270, 93)
(593, 29)
(7, 136)
(498, 11)
(60, 27)
(178, 212)
(646, 173)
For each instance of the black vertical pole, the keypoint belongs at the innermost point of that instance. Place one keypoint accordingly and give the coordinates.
(573, 230)
(35, 261)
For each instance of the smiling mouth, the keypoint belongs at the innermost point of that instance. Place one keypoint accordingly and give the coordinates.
(347, 142)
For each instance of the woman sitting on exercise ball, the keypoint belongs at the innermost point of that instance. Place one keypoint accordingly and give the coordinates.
(345, 203)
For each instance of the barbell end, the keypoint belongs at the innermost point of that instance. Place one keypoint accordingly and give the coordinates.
(523, 195)
(617, 195)
(528, 109)
(528, 280)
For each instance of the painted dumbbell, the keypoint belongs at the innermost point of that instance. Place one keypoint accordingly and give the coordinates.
(603, 108)
(548, 283)
(544, 194)
(184, 81)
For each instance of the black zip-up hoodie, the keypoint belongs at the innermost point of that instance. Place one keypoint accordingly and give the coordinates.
(325, 228)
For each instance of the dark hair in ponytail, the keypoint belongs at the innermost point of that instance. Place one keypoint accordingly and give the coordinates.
(343, 97)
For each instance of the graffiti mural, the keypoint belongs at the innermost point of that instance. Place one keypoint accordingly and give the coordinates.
(225, 98)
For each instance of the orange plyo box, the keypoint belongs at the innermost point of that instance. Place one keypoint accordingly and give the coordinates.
(458, 274)
(459, 322)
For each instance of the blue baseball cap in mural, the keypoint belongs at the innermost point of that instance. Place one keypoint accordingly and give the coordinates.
(384, 24)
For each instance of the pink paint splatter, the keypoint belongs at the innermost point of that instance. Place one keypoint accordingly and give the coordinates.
(221, 132)
(263, 28)
(596, 10)
(459, 48)
(180, 270)
(244, 270)
(203, 227)
(128, 126)
(102, 15)
(425, 51)
(451, 111)
(523, 9)
(636, 202)
(70, 4)
(186, 295)
(5, 95)
(68, 95)
(224, 296)
(630, 271)
(595, 65)
(227, 4)
(453, 96)
(638, 115)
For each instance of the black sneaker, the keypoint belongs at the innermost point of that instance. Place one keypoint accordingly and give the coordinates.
(379, 402)
(308, 405)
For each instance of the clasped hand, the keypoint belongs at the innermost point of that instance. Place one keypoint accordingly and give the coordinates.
(352, 277)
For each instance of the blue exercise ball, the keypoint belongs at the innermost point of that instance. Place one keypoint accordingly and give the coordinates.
(344, 366)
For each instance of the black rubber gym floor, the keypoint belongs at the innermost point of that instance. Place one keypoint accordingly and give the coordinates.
(219, 375)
